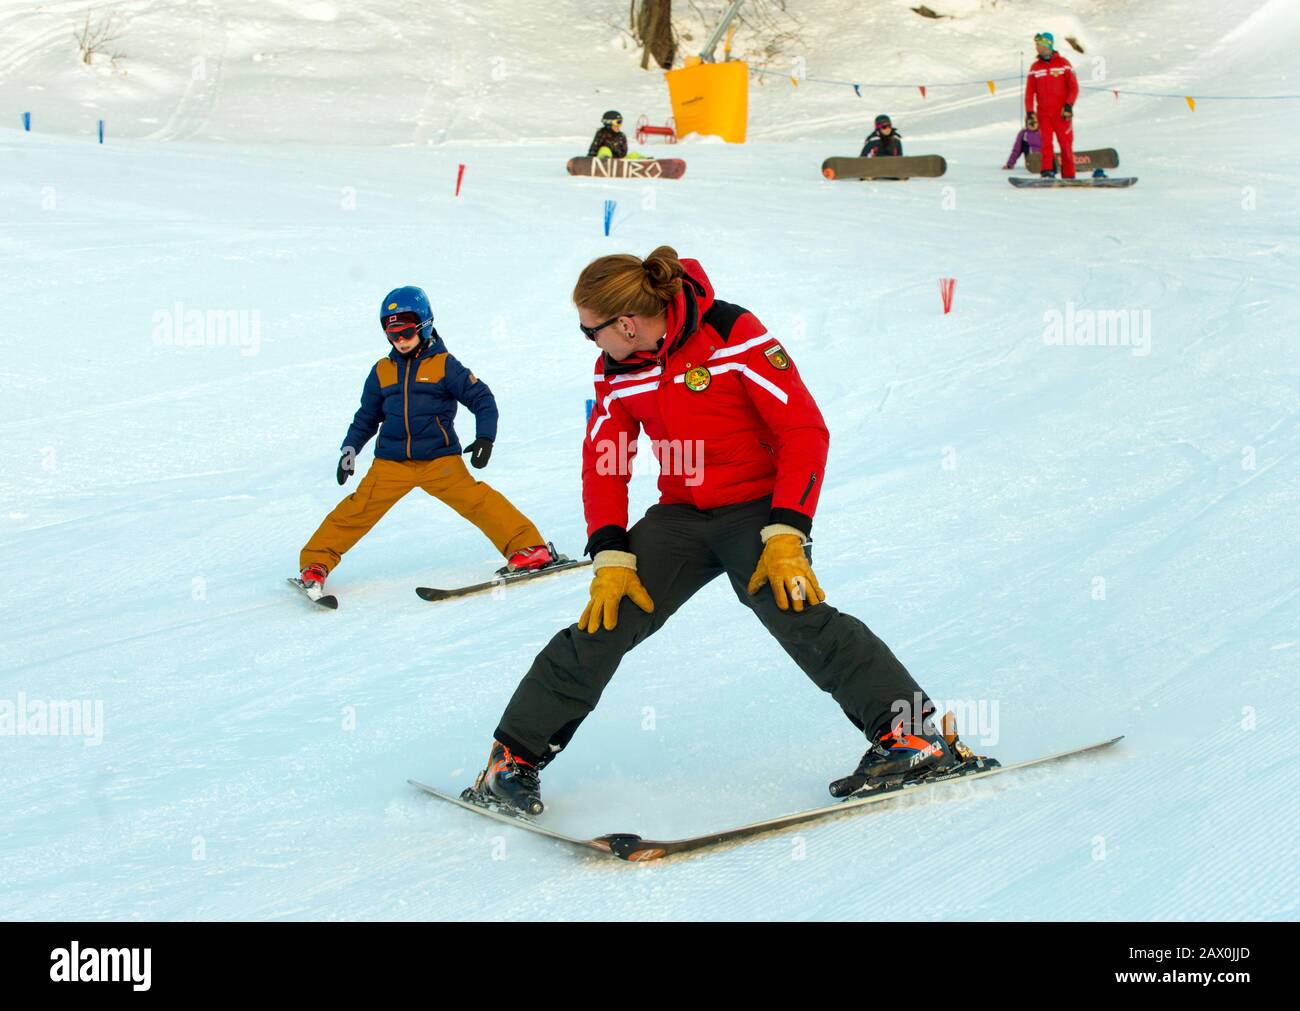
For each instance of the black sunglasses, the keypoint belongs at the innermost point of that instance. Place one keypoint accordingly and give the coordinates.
(591, 331)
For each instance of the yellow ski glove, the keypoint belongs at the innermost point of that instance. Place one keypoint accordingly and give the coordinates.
(785, 567)
(615, 578)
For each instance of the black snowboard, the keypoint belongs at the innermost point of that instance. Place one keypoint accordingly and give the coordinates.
(1084, 161)
(924, 165)
(1084, 182)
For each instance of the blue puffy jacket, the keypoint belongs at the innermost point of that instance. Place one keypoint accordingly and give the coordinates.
(412, 401)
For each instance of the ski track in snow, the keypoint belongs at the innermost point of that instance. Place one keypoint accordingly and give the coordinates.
(1095, 540)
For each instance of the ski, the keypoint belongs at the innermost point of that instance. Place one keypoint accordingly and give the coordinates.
(325, 600)
(627, 168)
(1102, 157)
(631, 847)
(562, 564)
(902, 167)
(1101, 182)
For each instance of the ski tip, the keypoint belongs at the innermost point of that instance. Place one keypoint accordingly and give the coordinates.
(430, 593)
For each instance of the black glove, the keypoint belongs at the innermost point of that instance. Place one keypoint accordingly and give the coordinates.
(480, 452)
(347, 464)
(1067, 111)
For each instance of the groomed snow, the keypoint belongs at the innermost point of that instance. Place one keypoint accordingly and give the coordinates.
(1092, 540)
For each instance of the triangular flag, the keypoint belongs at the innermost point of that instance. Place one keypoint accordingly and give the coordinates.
(922, 87)
(857, 91)
(992, 88)
(794, 81)
(1191, 103)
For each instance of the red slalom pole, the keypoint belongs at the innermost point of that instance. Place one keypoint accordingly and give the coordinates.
(946, 285)
(460, 174)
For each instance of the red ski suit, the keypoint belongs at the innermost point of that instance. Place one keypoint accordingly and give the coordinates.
(1053, 84)
(727, 413)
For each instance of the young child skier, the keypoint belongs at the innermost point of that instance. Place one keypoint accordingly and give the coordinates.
(410, 399)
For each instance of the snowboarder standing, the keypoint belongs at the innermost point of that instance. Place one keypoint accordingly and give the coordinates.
(1028, 141)
(610, 140)
(696, 372)
(1052, 85)
(410, 399)
(884, 141)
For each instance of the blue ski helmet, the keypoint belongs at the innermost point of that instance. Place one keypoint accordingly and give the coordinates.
(408, 299)
(1047, 39)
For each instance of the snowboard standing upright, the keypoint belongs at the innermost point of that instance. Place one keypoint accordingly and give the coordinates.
(1084, 161)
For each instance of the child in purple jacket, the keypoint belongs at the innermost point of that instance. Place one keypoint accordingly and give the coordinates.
(1028, 141)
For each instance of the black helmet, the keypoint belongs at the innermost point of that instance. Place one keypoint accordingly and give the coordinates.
(611, 117)
(883, 120)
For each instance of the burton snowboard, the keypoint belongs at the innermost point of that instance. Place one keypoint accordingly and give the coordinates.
(1084, 161)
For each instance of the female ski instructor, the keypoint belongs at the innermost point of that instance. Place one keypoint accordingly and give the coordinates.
(709, 385)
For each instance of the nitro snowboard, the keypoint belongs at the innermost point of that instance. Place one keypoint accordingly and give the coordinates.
(1084, 161)
(629, 846)
(923, 165)
(627, 168)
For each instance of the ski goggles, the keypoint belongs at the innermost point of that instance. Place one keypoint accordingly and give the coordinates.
(1045, 39)
(398, 332)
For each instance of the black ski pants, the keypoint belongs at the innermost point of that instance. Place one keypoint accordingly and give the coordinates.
(679, 549)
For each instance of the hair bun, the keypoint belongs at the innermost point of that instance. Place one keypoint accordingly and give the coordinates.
(664, 272)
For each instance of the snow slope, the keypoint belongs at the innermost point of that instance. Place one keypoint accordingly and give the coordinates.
(1085, 540)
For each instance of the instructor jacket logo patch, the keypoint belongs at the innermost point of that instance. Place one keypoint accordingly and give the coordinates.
(698, 379)
(777, 356)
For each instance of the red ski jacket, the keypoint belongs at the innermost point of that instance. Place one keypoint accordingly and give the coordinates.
(1052, 82)
(726, 412)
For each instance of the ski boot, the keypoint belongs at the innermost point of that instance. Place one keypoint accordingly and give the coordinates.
(897, 757)
(530, 559)
(1048, 173)
(313, 580)
(508, 782)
